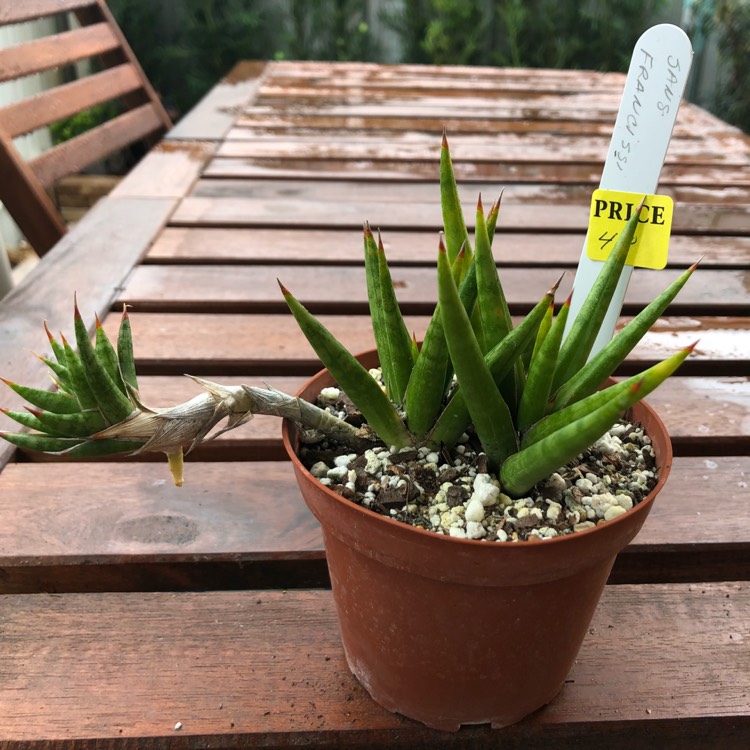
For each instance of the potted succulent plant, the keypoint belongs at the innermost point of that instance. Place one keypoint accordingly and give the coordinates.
(473, 490)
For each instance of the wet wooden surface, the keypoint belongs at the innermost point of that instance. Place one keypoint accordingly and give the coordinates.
(128, 606)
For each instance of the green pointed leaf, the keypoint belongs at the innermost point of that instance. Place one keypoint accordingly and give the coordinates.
(57, 348)
(542, 332)
(606, 361)
(649, 379)
(493, 308)
(456, 234)
(489, 413)
(55, 401)
(399, 343)
(83, 424)
(78, 385)
(455, 418)
(39, 443)
(107, 356)
(25, 418)
(533, 464)
(375, 299)
(431, 372)
(536, 392)
(492, 217)
(125, 355)
(358, 384)
(112, 402)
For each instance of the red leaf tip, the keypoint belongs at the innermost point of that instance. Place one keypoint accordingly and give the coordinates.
(556, 285)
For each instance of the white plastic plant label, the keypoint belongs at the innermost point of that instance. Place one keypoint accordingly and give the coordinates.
(653, 90)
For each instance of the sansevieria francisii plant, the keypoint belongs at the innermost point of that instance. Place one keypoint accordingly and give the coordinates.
(532, 396)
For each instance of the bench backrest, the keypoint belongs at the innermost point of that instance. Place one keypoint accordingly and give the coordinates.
(118, 78)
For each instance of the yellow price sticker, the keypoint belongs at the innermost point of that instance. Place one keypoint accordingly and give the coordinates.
(610, 211)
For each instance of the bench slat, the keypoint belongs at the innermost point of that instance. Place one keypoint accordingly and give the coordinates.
(511, 171)
(224, 288)
(290, 123)
(238, 212)
(273, 344)
(241, 524)
(511, 147)
(466, 147)
(340, 246)
(57, 50)
(31, 9)
(69, 99)
(410, 192)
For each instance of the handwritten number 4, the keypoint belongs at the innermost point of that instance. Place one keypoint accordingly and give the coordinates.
(606, 240)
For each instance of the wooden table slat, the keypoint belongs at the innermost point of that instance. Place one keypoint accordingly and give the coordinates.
(427, 192)
(238, 212)
(243, 524)
(215, 245)
(274, 343)
(226, 288)
(547, 170)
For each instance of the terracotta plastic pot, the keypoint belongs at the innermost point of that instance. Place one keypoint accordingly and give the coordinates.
(454, 631)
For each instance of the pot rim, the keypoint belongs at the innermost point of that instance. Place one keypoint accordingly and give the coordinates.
(289, 435)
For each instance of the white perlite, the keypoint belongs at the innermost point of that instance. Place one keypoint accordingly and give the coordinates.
(330, 394)
(485, 490)
(474, 510)
(454, 495)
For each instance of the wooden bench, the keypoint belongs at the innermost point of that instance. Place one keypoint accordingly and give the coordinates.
(136, 614)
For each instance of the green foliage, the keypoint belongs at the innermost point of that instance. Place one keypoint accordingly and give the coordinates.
(732, 24)
(454, 33)
(326, 30)
(186, 47)
(70, 127)
(528, 33)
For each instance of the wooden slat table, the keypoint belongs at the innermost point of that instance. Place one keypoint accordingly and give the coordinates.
(135, 614)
